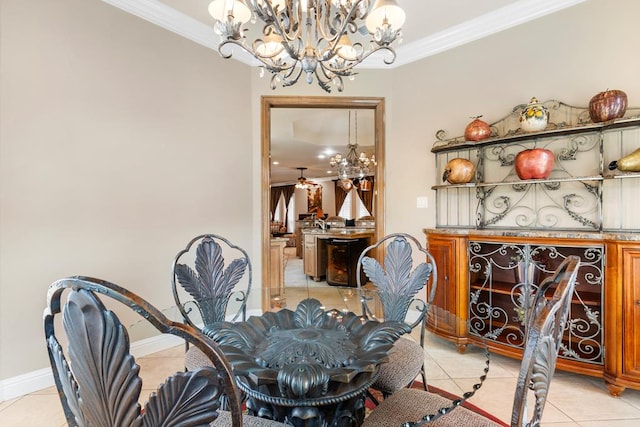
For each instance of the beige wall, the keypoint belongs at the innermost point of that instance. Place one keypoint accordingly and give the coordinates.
(117, 144)
(569, 56)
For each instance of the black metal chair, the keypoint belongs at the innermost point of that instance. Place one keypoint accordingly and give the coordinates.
(546, 322)
(205, 291)
(545, 328)
(397, 288)
(97, 377)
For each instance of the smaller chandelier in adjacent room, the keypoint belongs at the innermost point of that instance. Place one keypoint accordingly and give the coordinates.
(352, 167)
(321, 38)
(303, 183)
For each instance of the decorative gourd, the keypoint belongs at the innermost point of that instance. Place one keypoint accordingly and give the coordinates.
(477, 130)
(607, 105)
(458, 171)
(628, 163)
(535, 163)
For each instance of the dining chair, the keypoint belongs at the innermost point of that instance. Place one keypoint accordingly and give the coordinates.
(206, 291)
(544, 329)
(97, 377)
(397, 288)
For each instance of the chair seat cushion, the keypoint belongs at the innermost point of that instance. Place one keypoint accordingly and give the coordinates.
(194, 359)
(405, 361)
(224, 420)
(412, 404)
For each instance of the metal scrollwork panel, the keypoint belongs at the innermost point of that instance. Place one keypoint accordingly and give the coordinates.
(567, 199)
(573, 205)
(504, 279)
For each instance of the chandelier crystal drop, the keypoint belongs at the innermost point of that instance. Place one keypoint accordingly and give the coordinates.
(314, 38)
(352, 166)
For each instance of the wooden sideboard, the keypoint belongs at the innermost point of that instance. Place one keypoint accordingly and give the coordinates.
(478, 281)
(498, 236)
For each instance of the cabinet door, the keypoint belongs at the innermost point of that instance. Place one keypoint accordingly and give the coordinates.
(309, 258)
(631, 301)
(503, 280)
(449, 315)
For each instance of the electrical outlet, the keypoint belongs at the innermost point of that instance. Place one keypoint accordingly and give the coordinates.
(422, 202)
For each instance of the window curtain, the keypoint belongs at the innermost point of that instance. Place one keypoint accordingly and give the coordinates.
(275, 196)
(340, 195)
(287, 192)
(367, 196)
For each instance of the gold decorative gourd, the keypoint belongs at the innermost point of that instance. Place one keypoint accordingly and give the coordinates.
(458, 171)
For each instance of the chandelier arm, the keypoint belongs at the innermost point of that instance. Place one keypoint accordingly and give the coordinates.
(268, 15)
(343, 27)
(346, 69)
(325, 79)
(286, 80)
(270, 65)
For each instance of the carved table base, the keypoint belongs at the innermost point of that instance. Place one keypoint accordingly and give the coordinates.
(348, 413)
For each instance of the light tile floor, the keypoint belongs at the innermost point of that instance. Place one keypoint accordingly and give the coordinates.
(574, 400)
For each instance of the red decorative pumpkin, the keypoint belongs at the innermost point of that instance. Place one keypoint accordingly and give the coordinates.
(535, 163)
(607, 105)
(477, 130)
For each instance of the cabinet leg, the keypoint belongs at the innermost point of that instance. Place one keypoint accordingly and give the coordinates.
(462, 348)
(614, 389)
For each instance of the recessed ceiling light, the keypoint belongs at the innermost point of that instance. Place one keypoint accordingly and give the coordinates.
(276, 163)
(321, 156)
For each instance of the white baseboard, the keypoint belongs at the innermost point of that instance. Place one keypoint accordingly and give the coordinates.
(26, 383)
(43, 378)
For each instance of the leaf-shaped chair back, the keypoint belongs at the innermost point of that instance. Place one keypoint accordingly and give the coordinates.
(97, 377)
(201, 280)
(543, 340)
(396, 284)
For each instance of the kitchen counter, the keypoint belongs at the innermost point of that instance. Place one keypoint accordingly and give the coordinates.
(343, 233)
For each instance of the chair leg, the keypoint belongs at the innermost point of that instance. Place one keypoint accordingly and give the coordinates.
(372, 397)
(424, 378)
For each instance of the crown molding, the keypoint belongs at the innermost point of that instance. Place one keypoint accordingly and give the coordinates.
(514, 14)
(485, 25)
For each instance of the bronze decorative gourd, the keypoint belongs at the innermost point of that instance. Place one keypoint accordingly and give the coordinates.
(607, 105)
(477, 130)
(458, 171)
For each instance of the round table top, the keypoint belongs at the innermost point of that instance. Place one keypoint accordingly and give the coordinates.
(309, 356)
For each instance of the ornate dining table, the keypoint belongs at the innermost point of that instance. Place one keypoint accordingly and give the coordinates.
(311, 360)
(310, 366)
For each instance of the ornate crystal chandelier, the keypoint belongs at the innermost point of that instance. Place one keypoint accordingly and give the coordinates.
(313, 37)
(352, 166)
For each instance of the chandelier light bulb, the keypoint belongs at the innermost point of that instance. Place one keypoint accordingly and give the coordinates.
(386, 12)
(271, 46)
(223, 9)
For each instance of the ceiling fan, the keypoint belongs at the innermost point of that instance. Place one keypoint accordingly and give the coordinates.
(303, 182)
